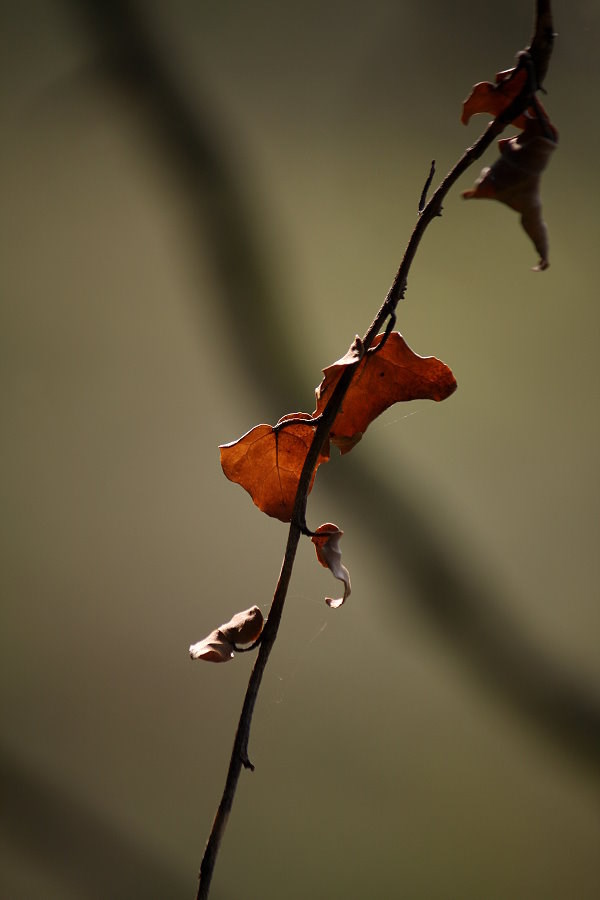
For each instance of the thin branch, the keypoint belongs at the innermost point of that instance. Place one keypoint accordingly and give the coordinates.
(239, 756)
(542, 42)
(434, 206)
(426, 187)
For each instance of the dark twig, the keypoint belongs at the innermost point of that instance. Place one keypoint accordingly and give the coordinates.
(426, 187)
(239, 754)
(434, 206)
(542, 42)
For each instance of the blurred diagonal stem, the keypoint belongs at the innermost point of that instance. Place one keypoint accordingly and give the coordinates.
(467, 613)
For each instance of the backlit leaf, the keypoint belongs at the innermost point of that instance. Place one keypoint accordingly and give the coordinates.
(243, 628)
(393, 374)
(493, 99)
(267, 463)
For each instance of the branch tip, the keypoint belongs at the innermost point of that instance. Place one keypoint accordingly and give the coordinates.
(426, 187)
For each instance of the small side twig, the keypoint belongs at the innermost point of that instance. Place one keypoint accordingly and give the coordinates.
(426, 187)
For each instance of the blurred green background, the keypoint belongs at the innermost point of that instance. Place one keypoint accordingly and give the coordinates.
(202, 203)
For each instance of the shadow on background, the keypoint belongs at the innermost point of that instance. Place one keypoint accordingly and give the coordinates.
(82, 854)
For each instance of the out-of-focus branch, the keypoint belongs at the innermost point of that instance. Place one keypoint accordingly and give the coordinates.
(186, 130)
(472, 618)
(84, 854)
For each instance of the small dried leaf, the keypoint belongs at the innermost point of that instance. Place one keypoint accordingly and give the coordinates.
(514, 179)
(327, 545)
(493, 99)
(213, 648)
(268, 462)
(393, 374)
(243, 628)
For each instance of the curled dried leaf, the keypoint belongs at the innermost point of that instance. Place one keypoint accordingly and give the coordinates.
(327, 545)
(515, 178)
(243, 628)
(213, 648)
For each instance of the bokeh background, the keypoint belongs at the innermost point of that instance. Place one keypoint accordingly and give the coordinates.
(202, 203)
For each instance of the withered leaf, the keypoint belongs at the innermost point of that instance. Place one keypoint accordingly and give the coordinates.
(395, 373)
(267, 463)
(327, 545)
(243, 628)
(493, 99)
(514, 179)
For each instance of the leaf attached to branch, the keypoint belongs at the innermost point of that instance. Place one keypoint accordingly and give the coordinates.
(493, 98)
(267, 462)
(391, 375)
(327, 544)
(514, 179)
(243, 628)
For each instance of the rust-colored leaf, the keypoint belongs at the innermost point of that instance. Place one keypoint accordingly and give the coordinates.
(493, 99)
(327, 545)
(267, 462)
(395, 373)
(514, 179)
(243, 628)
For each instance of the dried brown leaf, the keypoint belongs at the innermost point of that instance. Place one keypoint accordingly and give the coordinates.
(267, 462)
(393, 374)
(515, 179)
(243, 628)
(327, 545)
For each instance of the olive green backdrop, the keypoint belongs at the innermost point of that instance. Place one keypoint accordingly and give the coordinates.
(202, 203)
